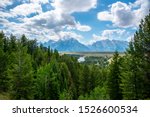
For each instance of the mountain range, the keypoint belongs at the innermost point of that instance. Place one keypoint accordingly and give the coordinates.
(73, 45)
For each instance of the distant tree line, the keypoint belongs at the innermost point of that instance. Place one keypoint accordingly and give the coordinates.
(31, 71)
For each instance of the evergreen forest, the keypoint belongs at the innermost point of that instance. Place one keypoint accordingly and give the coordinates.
(29, 71)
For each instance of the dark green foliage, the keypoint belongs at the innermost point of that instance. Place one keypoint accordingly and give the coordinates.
(12, 43)
(20, 73)
(4, 81)
(136, 73)
(132, 81)
(114, 78)
(24, 40)
(99, 93)
(47, 83)
(85, 83)
(66, 83)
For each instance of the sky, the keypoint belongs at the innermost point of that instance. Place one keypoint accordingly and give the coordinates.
(87, 21)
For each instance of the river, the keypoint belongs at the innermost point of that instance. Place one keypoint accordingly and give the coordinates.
(81, 59)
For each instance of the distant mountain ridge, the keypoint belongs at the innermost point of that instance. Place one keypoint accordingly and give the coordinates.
(109, 45)
(72, 45)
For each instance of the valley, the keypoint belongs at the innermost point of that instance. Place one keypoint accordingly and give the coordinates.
(91, 54)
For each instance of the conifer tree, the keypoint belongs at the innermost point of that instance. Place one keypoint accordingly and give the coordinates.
(4, 81)
(12, 43)
(24, 40)
(85, 81)
(47, 83)
(20, 73)
(66, 83)
(113, 83)
(135, 75)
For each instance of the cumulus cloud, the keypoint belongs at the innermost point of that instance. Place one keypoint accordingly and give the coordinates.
(39, 1)
(56, 20)
(53, 24)
(125, 15)
(26, 9)
(33, 1)
(83, 28)
(51, 20)
(4, 3)
(71, 6)
(68, 35)
(4, 14)
(105, 16)
(113, 34)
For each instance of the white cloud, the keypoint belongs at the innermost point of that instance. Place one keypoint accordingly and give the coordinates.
(125, 15)
(79, 27)
(36, 32)
(83, 28)
(4, 14)
(33, 33)
(111, 32)
(39, 1)
(53, 24)
(104, 16)
(26, 9)
(68, 35)
(33, 1)
(115, 34)
(51, 20)
(142, 11)
(71, 6)
(56, 20)
(4, 21)
(5, 3)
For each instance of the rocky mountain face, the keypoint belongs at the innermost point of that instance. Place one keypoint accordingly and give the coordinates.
(72, 45)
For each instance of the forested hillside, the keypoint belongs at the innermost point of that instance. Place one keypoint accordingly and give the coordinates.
(29, 71)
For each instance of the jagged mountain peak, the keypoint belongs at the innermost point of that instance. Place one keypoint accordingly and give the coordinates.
(74, 45)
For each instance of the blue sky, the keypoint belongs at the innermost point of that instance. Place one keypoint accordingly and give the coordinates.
(85, 20)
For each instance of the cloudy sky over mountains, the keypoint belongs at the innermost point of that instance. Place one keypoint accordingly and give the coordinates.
(84, 20)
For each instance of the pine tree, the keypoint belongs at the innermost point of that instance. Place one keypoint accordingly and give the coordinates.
(95, 78)
(114, 80)
(47, 83)
(49, 54)
(85, 81)
(136, 74)
(4, 81)
(66, 83)
(20, 73)
(75, 72)
(24, 40)
(132, 82)
(32, 45)
(146, 47)
(12, 43)
(6, 45)
(41, 83)
(2, 36)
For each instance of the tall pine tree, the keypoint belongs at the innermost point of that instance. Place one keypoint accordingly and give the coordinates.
(136, 74)
(20, 73)
(113, 83)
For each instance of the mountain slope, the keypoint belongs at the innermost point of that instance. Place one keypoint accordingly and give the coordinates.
(109, 45)
(69, 45)
(72, 45)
